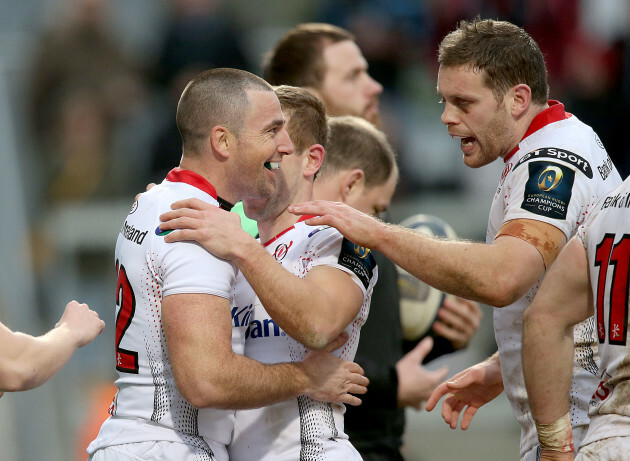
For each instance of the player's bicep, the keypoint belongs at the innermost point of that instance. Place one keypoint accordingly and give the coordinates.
(546, 238)
(566, 288)
(198, 332)
(341, 290)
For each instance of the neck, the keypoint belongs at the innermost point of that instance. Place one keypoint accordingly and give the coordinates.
(271, 227)
(524, 122)
(218, 181)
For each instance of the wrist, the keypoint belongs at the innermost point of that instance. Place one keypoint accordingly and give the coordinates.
(556, 436)
(244, 249)
(299, 374)
(66, 333)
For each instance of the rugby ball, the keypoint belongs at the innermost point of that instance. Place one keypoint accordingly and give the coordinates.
(419, 302)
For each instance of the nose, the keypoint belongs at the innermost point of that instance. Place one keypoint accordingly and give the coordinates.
(374, 88)
(448, 115)
(285, 145)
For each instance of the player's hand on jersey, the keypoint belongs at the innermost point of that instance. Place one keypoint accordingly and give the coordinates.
(467, 391)
(333, 379)
(458, 320)
(357, 227)
(217, 230)
(415, 383)
(83, 322)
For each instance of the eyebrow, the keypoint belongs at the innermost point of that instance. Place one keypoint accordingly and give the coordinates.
(275, 123)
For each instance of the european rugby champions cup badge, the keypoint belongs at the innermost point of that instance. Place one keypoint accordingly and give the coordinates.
(548, 189)
(358, 259)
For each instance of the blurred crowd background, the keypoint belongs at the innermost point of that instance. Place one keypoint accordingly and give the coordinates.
(88, 90)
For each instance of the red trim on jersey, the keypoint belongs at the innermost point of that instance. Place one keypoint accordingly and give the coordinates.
(273, 239)
(554, 113)
(193, 179)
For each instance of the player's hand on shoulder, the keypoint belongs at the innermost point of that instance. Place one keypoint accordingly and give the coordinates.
(458, 320)
(217, 230)
(416, 383)
(82, 321)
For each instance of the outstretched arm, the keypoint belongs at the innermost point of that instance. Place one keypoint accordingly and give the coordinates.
(496, 274)
(313, 310)
(27, 361)
(563, 300)
(468, 391)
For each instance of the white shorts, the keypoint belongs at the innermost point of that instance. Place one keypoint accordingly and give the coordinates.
(610, 449)
(161, 450)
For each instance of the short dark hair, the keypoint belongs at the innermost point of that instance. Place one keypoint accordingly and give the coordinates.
(307, 117)
(356, 143)
(508, 55)
(297, 58)
(215, 97)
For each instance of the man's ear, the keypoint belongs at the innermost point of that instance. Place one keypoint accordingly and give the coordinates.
(521, 97)
(352, 184)
(315, 158)
(221, 141)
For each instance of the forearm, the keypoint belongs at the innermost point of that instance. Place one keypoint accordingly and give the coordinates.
(30, 361)
(547, 366)
(460, 268)
(246, 383)
(301, 308)
(496, 274)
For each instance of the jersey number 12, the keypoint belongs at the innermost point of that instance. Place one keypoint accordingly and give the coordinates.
(126, 360)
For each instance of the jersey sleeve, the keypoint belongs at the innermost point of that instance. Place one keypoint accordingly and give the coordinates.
(548, 191)
(332, 249)
(186, 267)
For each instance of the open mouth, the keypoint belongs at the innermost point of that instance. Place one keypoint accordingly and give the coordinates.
(272, 165)
(465, 141)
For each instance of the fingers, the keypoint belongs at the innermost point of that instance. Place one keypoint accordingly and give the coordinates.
(193, 203)
(357, 389)
(358, 379)
(459, 382)
(181, 235)
(468, 416)
(180, 219)
(350, 399)
(317, 221)
(435, 397)
(310, 208)
(440, 374)
(420, 351)
(337, 342)
(356, 369)
(451, 409)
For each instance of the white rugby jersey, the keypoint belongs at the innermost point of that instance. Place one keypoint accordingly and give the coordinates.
(555, 175)
(606, 238)
(148, 270)
(301, 428)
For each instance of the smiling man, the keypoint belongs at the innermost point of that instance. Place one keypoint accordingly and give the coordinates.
(180, 331)
(307, 285)
(493, 83)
